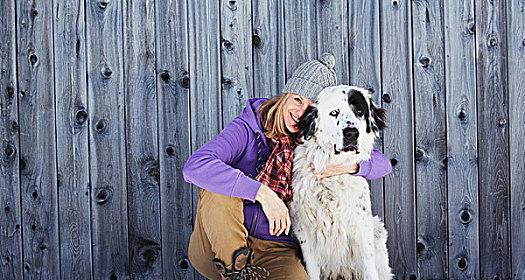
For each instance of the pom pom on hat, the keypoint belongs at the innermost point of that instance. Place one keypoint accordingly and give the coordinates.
(328, 60)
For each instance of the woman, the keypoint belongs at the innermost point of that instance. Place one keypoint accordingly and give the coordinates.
(236, 213)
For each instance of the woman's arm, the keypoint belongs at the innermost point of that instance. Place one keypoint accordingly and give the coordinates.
(376, 167)
(209, 167)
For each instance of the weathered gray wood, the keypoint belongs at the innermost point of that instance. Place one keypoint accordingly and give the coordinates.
(493, 139)
(236, 57)
(516, 87)
(333, 36)
(396, 81)
(107, 139)
(431, 139)
(141, 140)
(268, 47)
(205, 77)
(10, 234)
(38, 172)
(173, 81)
(462, 145)
(72, 139)
(365, 69)
(300, 33)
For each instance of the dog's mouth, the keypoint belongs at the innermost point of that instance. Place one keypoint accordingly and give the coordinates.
(345, 149)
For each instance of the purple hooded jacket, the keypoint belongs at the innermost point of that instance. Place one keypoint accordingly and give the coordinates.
(227, 165)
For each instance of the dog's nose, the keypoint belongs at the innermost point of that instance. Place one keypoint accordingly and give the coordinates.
(351, 133)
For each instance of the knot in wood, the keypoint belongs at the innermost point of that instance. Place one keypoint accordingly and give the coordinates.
(15, 125)
(165, 75)
(462, 115)
(228, 46)
(412, 276)
(22, 164)
(103, 195)
(34, 12)
(493, 41)
(502, 122)
(256, 39)
(393, 161)
(395, 3)
(471, 27)
(184, 263)
(7, 208)
(27, 266)
(170, 150)
(33, 59)
(185, 80)
(232, 4)
(81, 116)
(9, 150)
(371, 90)
(465, 217)
(420, 247)
(10, 91)
(107, 72)
(419, 153)
(227, 83)
(101, 125)
(103, 4)
(462, 263)
(43, 247)
(424, 61)
(386, 98)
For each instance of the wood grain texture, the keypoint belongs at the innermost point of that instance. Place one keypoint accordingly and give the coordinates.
(268, 47)
(72, 139)
(300, 33)
(205, 78)
(462, 144)
(516, 88)
(173, 82)
(430, 139)
(11, 266)
(38, 171)
(365, 70)
(236, 57)
(396, 73)
(142, 140)
(107, 147)
(493, 139)
(333, 36)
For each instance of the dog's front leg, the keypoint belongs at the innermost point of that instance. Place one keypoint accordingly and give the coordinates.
(365, 253)
(310, 258)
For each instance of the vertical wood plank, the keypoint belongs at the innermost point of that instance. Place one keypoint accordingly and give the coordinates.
(10, 234)
(396, 73)
(493, 138)
(301, 33)
(142, 140)
(268, 47)
(236, 56)
(72, 139)
(333, 36)
(516, 82)
(38, 171)
(173, 81)
(462, 145)
(107, 139)
(430, 139)
(205, 77)
(365, 69)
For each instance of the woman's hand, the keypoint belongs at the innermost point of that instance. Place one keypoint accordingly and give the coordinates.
(275, 210)
(335, 169)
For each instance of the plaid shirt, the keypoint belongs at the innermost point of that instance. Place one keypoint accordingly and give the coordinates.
(277, 173)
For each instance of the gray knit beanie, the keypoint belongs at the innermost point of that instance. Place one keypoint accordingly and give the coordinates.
(313, 76)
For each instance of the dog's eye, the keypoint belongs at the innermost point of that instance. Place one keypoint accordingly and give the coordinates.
(359, 113)
(334, 113)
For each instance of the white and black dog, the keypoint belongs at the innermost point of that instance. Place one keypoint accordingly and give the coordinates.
(332, 217)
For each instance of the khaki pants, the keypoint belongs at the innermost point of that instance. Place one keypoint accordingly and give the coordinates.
(219, 231)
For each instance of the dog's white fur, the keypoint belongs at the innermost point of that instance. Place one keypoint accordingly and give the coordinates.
(332, 217)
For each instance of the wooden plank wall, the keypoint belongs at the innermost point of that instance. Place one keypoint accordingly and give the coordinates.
(103, 101)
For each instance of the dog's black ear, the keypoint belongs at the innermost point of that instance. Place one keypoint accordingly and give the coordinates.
(307, 122)
(379, 116)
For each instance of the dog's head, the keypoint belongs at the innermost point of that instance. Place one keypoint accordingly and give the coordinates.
(345, 118)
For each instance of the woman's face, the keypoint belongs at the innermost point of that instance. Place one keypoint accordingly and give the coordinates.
(294, 108)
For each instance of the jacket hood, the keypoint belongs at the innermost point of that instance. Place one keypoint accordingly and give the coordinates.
(250, 114)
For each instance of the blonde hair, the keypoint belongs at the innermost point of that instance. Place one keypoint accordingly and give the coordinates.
(272, 117)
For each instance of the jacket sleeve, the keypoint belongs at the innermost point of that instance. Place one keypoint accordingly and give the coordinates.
(209, 167)
(376, 167)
